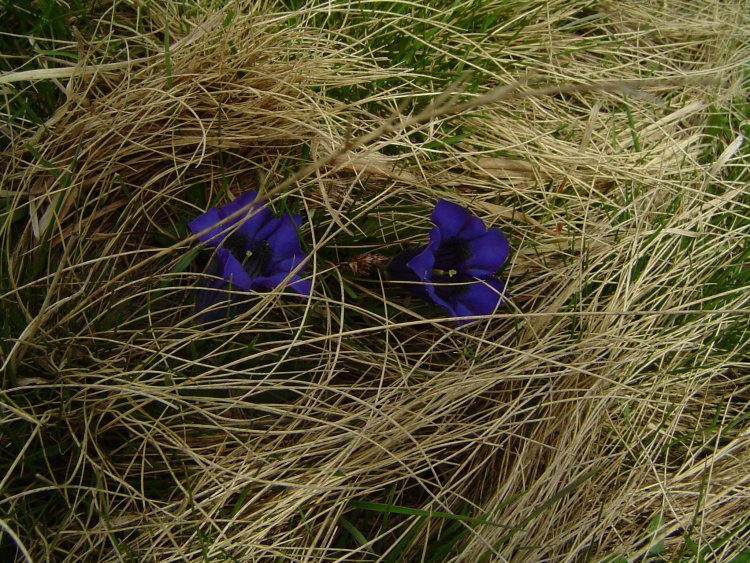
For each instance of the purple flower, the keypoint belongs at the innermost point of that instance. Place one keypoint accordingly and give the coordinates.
(457, 268)
(255, 251)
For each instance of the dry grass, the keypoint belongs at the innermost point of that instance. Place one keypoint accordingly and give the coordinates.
(594, 391)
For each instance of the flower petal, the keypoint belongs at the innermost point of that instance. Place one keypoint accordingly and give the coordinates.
(448, 305)
(303, 287)
(214, 215)
(487, 254)
(244, 199)
(423, 263)
(399, 271)
(232, 270)
(283, 269)
(289, 263)
(454, 221)
(483, 298)
(285, 240)
(208, 219)
(258, 226)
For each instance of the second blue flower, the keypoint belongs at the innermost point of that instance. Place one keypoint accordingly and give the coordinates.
(456, 270)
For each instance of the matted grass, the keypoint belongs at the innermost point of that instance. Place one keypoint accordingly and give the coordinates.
(600, 415)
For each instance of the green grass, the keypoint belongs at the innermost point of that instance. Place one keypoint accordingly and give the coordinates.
(37, 38)
(600, 416)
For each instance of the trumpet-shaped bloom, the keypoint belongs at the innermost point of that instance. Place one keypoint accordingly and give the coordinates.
(456, 269)
(255, 251)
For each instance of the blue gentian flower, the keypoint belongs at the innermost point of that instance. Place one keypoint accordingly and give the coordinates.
(457, 268)
(255, 251)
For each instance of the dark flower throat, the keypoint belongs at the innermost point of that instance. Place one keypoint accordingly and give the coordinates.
(253, 257)
(447, 286)
(450, 255)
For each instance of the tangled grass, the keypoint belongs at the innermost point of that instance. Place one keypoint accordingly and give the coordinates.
(601, 415)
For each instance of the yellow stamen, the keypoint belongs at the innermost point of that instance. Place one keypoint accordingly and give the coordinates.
(439, 272)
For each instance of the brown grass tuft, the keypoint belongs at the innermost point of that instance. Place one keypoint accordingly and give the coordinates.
(607, 397)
